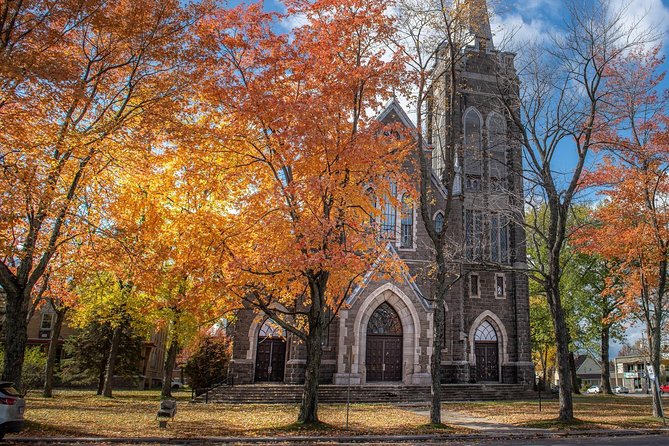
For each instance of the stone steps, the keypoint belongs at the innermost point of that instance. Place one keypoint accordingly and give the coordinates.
(327, 393)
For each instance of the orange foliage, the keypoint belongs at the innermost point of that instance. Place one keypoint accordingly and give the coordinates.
(295, 123)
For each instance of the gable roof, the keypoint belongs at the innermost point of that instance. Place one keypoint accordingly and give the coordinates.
(394, 112)
(406, 278)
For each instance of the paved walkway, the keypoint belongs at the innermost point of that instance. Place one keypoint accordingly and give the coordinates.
(479, 424)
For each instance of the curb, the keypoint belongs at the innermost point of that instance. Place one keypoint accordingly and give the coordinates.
(497, 435)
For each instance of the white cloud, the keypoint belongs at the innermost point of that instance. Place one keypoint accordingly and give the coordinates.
(512, 31)
(293, 21)
(643, 15)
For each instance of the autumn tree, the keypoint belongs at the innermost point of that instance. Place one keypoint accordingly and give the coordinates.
(167, 219)
(632, 222)
(558, 115)
(295, 125)
(81, 82)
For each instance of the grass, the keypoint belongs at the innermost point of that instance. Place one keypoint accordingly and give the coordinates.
(591, 412)
(133, 413)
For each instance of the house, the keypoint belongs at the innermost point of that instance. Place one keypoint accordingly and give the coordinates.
(384, 332)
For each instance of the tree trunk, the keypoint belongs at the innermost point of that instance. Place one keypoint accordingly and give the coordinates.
(314, 343)
(566, 399)
(574, 376)
(654, 341)
(16, 336)
(309, 405)
(168, 368)
(51, 358)
(606, 369)
(438, 342)
(101, 381)
(111, 362)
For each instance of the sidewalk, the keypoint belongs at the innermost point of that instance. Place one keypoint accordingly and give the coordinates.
(489, 434)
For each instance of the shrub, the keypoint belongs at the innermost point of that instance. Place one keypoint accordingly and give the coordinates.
(209, 364)
(34, 365)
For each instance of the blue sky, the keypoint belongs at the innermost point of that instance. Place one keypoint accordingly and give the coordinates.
(534, 18)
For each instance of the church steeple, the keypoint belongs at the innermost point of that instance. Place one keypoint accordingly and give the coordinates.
(478, 21)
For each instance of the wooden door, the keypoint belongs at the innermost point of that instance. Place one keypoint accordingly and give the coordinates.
(487, 361)
(384, 358)
(270, 360)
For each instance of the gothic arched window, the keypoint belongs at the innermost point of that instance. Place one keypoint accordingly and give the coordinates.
(438, 152)
(407, 222)
(389, 217)
(439, 222)
(485, 332)
(385, 321)
(270, 329)
(473, 149)
(497, 147)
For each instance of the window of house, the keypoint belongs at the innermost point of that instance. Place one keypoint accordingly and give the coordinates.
(499, 238)
(389, 217)
(474, 285)
(497, 150)
(500, 286)
(406, 240)
(473, 234)
(439, 223)
(473, 150)
(47, 321)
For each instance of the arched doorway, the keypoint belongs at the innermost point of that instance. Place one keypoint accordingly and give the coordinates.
(270, 353)
(486, 350)
(383, 357)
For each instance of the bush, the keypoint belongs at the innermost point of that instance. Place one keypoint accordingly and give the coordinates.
(209, 364)
(34, 365)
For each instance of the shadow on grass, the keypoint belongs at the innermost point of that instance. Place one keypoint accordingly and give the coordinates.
(432, 428)
(33, 428)
(306, 428)
(575, 424)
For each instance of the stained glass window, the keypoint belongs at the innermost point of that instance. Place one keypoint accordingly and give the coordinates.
(389, 217)
(473, 149)
(439, 222)
(270, 329)
(497, 145)
(499, 238)
(385, 320)
(473, 234)
(407, 222)
(485, 332)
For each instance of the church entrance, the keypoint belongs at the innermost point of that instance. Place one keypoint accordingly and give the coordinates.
(486, 350)
(270, 353)
(383, 358)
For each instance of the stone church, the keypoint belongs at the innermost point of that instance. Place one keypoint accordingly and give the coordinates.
(384, 332)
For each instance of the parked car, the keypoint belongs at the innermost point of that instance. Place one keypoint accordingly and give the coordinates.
(12, 406)
(177, 384)
(664, 388)
(593, 389)
(621, 389)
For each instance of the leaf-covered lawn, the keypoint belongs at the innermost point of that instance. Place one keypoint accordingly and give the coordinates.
(133, 413)
(591, 412)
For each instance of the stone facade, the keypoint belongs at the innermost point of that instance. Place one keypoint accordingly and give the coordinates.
(500, 303)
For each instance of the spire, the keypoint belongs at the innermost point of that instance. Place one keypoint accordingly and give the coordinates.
(478, 18)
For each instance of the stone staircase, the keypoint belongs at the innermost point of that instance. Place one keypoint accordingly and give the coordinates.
(327, 393)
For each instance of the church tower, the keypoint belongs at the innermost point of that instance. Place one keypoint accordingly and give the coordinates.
(487, 325)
